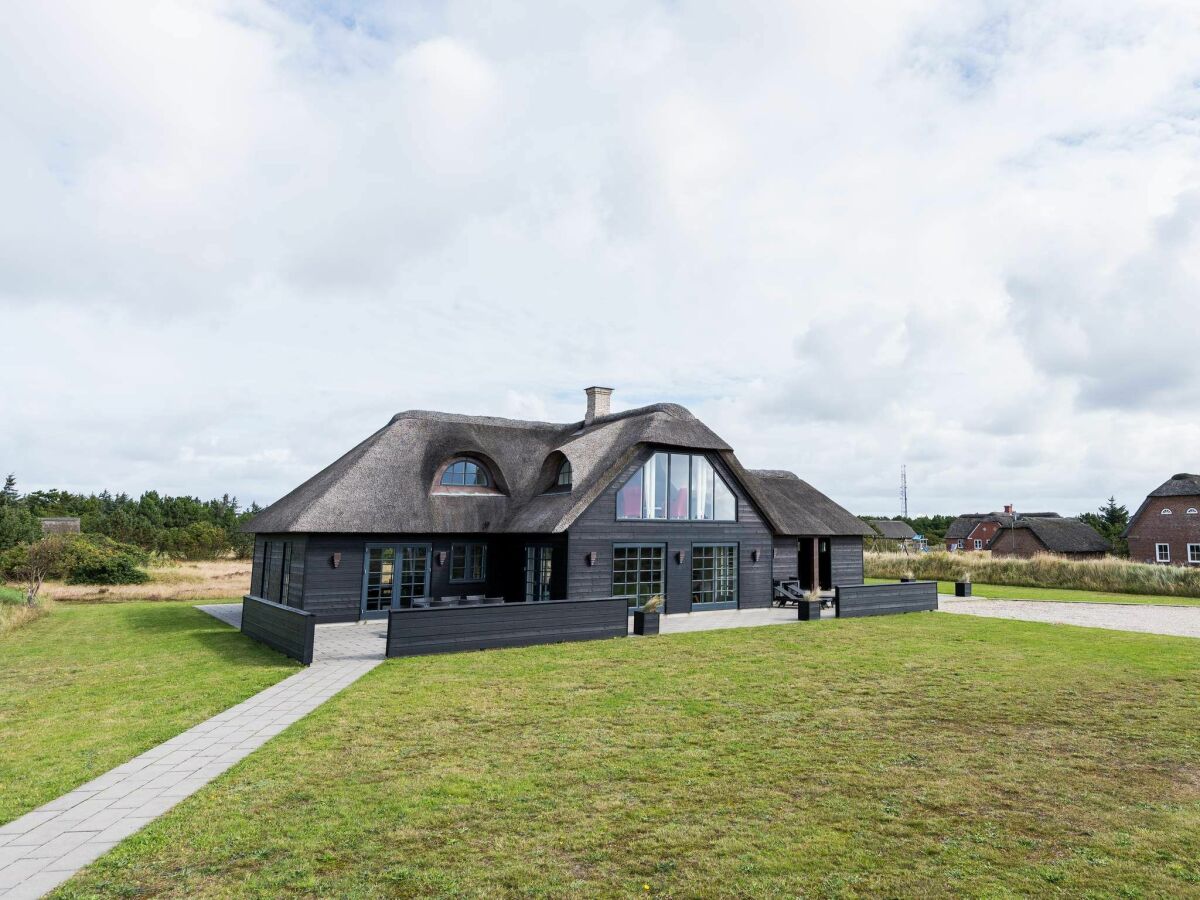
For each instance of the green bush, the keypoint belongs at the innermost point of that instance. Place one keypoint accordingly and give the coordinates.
(17, 526)
(88, 559)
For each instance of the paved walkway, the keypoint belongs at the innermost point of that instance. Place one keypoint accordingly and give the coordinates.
(1182, 621)
(728, 618)
(45, 847)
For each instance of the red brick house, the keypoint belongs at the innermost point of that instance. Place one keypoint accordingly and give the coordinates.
(1166, 527)
(974, 531)
(1025, 535)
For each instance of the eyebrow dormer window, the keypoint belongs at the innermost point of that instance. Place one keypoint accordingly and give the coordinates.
(465, 473)
(1193, 511)
(564, 475)
(1165, 512)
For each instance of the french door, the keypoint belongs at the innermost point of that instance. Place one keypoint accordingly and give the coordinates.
(393, 575)
(538, 571)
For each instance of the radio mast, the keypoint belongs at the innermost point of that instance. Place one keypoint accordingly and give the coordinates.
(904, 491)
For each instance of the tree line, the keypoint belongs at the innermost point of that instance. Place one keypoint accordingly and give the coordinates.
(179, 527)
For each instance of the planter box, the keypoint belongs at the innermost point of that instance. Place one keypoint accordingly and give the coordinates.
(962, 589)
(808, 610)
(645, 623)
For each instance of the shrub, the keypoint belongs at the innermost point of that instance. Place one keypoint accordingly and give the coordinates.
(1110, 574)
(17, 526)
(86, 559)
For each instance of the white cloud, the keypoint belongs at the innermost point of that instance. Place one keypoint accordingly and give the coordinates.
(238, 236)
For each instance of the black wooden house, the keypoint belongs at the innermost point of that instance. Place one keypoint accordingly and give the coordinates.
(634, 504)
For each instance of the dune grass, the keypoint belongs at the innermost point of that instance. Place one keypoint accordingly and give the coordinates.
(1109, 575)
(86, 688)
(922, 755)
(1058, 595)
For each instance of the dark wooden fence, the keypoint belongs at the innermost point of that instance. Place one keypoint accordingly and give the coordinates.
(885, 599)
(283, 628)
(448, 629)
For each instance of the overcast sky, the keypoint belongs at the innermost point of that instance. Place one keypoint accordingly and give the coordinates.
(237, 237)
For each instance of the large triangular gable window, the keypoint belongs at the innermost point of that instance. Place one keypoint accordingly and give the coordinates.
(681, 486)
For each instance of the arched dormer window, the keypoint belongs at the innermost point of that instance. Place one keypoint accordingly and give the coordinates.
(1165, 512)
(563, 480)
(1192, 511)
(465, 473)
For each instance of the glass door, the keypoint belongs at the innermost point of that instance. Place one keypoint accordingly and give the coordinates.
(393, 575)
(538, 570)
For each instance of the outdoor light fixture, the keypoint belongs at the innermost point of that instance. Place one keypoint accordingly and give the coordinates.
(680, 556)
(335, 560)
(441, 557)
(590, 558)
(754, 554)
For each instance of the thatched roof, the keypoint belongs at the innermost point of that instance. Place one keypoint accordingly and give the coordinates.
(962, 527)
(896, 531)
(1183, 484)
(385, 484)
(1060, 535)
(800, 509)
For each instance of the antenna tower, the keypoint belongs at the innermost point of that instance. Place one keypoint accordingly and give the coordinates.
(904, 491)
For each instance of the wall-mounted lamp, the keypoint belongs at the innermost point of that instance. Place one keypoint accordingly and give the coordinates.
(441, 557)
(335, 560)
(754, 554)
(590, 558)
(680, 556)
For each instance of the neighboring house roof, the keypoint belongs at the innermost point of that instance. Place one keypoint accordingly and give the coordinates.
(896, 531)
(385, 484)
(1184, 484)
(798, 508)
(962, 527)
(1059, 535)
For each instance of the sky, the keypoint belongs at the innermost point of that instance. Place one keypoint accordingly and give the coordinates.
(237, 237)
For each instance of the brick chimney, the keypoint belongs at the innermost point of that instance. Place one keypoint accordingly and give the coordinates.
(598, 403)
(1008, 509)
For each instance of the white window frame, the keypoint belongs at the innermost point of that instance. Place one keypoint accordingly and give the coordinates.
(1192, 511)
(960, 545)
(1193, 551)
(1166, 512)
(978, 544)
(1162, 553)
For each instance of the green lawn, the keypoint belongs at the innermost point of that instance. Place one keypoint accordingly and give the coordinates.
(1008, 592)
(89, 687)
(919, 755)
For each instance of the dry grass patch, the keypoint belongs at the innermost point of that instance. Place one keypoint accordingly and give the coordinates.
(203, 580)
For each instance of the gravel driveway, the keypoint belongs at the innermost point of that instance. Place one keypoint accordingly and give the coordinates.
(1183, 621)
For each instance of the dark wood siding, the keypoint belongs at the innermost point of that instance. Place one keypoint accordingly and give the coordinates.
(287, 630)
(598, 528)
(296, 566)
(786, 564)
(885, 599)
(415, 632)
(846, 560)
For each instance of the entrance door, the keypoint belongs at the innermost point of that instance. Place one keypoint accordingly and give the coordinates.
(393, 575)
(539, 567)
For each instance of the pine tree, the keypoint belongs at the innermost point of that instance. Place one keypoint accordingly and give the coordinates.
(9, 495)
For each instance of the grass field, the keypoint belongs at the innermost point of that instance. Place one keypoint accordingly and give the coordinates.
(921, 755)
(1008, 592)
(89, 687)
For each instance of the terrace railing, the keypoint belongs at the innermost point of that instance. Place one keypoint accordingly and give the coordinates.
(852, 600)
(283, 628)
(480, 626)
